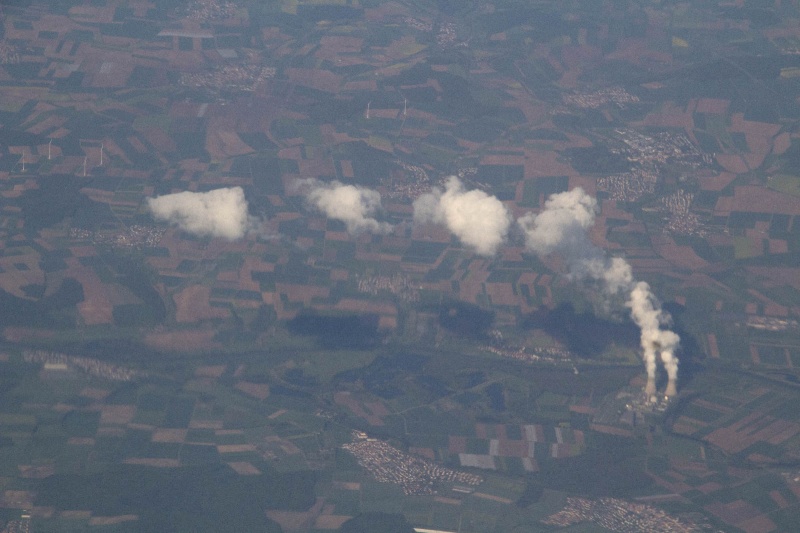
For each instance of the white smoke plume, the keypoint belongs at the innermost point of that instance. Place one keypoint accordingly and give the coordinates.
(218, 213)
(480, 221)
(562, 227)
(355, 206)
(647, 313)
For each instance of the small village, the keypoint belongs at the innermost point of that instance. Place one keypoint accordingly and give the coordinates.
(400, 285)
(229, 78)
(414, 474)
(134, 236)
(618, 515)
(593, 100)
(59, 362)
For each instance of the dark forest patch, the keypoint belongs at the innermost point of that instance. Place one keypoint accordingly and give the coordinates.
(358, 332)
(203, 498)
(585, 334)
(465, 319)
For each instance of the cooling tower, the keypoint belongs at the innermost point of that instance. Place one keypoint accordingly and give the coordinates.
(650, 388)
(672, 389)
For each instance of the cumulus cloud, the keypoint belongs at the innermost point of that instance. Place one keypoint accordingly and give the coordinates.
(563, 227)
(355, 206)
(478, 220)
(218, 213)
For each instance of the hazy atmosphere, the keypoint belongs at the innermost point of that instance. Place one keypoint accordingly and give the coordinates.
(401, 266)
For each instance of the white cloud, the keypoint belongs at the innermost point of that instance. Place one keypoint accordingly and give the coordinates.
(218, 213)
(480, 221)
(355, 206)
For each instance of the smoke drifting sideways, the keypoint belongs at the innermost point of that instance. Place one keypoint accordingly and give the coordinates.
(355, 206)
(217, 213)
(478, 220)
(562, 227)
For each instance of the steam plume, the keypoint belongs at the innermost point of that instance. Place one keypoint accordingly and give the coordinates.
(647, 313)
(218, 213)
(562, 227)
(480, 221)
(351, 204)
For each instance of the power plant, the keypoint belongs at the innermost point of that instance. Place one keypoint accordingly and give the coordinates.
(563, 227)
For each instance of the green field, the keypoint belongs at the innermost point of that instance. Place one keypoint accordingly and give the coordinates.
(785, 183)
